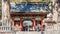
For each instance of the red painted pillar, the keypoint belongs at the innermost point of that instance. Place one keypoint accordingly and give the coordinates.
(12, 22)
(34, 24)
(20, 24)
(42, 24)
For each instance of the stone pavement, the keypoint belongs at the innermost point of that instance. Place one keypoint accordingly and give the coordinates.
(46, 32)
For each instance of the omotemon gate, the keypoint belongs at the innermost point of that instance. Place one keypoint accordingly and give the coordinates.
(6, 15)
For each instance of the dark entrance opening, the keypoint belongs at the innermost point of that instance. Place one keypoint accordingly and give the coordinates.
(17, 23)
(27, 25)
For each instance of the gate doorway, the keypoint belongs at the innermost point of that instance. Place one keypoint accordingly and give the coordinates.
(27, 25)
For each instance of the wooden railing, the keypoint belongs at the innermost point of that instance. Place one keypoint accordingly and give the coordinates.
(5, 29)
